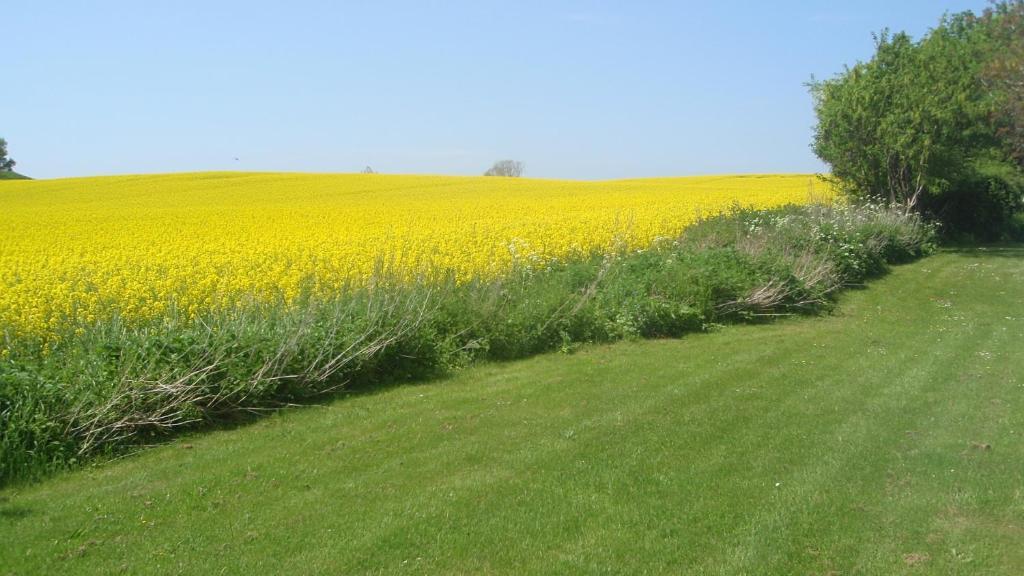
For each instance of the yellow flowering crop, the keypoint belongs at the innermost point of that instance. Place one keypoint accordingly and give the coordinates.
(84, 250)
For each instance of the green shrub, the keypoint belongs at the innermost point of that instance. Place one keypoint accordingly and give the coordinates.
(984, 204)
(934, 124)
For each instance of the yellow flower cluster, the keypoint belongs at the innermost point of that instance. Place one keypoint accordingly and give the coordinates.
(86, 250)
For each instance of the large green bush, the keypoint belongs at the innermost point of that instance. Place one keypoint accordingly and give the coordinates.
(928, 125)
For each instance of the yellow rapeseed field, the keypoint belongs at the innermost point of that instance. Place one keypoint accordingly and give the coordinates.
(84, 250)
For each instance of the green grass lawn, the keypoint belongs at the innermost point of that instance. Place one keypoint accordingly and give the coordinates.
(7, 175)
(883, 439)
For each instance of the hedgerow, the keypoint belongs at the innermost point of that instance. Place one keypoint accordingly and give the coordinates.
(112, 387)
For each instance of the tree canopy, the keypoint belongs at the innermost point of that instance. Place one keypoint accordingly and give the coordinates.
(6, 164)
(1004, 72)
(931, 124)
(509, 168)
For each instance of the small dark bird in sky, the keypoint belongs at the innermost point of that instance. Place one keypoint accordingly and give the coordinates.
(236, 159)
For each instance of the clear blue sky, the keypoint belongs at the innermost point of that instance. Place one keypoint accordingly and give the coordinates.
(574, 89)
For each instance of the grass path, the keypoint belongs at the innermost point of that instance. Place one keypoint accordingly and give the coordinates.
(883, 439)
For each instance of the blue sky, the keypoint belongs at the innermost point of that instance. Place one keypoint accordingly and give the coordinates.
(583, 90)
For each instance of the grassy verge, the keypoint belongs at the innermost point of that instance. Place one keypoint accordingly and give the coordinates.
(881, 439)
(8, 175)
(109, 386)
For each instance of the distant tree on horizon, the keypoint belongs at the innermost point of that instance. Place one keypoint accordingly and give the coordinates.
(368, 170)
(508, 168)
(6, 164)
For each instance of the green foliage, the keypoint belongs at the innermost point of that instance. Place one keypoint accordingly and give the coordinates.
(917, 126)
(1017, 227)
(984, 204)
(1004, 71)
(6, 164)
(108, 386)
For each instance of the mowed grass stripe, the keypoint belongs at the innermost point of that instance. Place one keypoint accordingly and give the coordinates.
(854, 443)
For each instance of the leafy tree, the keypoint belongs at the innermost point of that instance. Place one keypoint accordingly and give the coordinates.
(1004, 73)
(6, 164)
(917, 126)
(510, 168)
